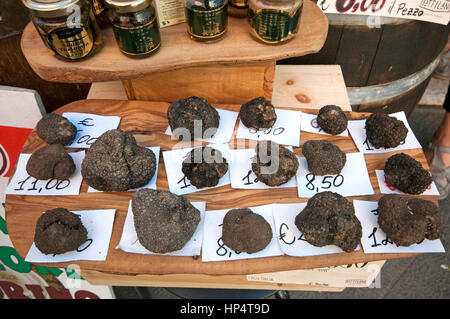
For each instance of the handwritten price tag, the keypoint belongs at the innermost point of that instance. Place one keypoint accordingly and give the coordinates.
(90, 127)
(24, 184)
(374, 240)
(99, 224)
(385, 188)
(213, 248)
(309, 124)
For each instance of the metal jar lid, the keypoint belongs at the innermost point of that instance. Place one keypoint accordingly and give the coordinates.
(53, 8)
(125, 6)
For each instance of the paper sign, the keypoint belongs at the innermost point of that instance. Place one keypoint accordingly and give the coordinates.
(309, 124)
(358, 132)
(99, 224)
(213, 248)
(178, 183)
(353, 180)
(130, 242)
(225, 129)
(285, 131)
(385, 188)
(90, 127)
(24, 184)
(374, 240)
(151, 184)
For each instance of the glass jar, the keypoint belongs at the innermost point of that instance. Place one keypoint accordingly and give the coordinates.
(135, 27)
(274, 21)
(207, 20)
(237, 8)
(101, 13)
(67, 27)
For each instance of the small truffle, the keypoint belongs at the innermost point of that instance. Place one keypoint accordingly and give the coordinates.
(273, 164)
(195, 115)
(407, 221)
(406, 174)
(323, 157)
(116, 163)
(164, 222)
(204, 166)
(59, 231)
(258, 113)
(245, 231)
(51, 161)
(384, 131)
(332, 119)
(329, 219)
(56, 129)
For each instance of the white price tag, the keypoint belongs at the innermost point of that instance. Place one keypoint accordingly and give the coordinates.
(309, 124)
(385, 188)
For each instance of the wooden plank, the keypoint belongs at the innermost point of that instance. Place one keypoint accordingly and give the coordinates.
(112, 90)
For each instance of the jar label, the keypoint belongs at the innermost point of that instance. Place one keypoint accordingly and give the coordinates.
(240, 4)
(72, 43)
(207, 24)
(138, 40)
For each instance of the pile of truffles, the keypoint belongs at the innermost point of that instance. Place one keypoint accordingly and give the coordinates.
(384, 131)
(323, 157)
(332, 119)
(258, 113)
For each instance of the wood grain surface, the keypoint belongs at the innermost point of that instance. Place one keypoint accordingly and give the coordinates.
(147, 122)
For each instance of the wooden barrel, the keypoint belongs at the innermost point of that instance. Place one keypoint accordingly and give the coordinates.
(381, 55)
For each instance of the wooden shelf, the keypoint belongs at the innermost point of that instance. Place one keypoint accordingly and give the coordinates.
(177, 51)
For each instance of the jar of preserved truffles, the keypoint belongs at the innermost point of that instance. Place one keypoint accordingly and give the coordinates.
(100, 13)
(207, 20)
(274, 21)
(67, 27)
(135, 27)
(237, 8)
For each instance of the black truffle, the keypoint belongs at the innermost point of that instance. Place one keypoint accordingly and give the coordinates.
(56, 129)
(51, 161)
(115, 162)
(332, 119)
(385, 131)
(406, 174)
(329, 219)
(323, 157)
(164, 222)
(258, 113)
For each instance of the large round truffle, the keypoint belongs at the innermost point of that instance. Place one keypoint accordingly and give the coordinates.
(406, 174)
(195, 116)
(51, 161)
(274, 164)
(332, 119)
(204, 166)
(329, 219)
(59, 231)
(115, 162)
(245, 231)
(258, 113)
(164, 222)
(407, 221)
(385, 131)
(56, 129)
(323, 157)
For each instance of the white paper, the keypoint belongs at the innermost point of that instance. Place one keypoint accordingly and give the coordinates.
(213, 249)
(24, 184)
(225, 130)
(309, 124)
(374, 240)
(353, 180)
(285, 131)
(178, 183)
(129, 241)
(99, 225)
(151, 184)
(242, 175)
(90, 127)
(357, 130)
(385, 188)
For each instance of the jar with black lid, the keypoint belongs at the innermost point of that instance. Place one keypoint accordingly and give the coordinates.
(135, 27)
(67, 27)
(207, 20)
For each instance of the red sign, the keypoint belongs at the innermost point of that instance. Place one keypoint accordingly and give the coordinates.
(12, 140)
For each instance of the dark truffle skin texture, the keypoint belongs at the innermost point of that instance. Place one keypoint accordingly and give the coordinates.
(385, 131)
(332, 119)
(329, 219)
(51, 161)
(164, 222)
(56, 129)
(182, 114)
(323, 157)
(245, 231)
(406, 174)
(407, 221)
(208, 172)
(286, 162)
(59, 231)
(258, 113)
(116, 163)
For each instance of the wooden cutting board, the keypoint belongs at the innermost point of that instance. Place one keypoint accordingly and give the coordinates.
(147, 122)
